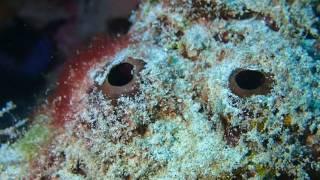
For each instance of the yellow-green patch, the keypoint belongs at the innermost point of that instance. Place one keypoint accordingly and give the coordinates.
(30, 144)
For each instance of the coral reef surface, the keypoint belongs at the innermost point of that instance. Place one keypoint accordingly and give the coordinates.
(199, 89)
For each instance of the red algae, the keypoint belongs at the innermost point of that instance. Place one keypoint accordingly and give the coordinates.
(74, 80)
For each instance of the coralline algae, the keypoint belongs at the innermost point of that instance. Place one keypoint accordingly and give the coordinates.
(228, 90)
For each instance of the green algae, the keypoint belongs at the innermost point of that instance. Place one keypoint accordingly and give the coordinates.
(30, 144)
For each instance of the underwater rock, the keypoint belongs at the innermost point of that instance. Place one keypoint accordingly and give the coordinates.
(199, 89)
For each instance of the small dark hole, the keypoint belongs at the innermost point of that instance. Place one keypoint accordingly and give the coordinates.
(142, 129)
(250, 79)
(118, 26)
(79, 169)
(120, 74)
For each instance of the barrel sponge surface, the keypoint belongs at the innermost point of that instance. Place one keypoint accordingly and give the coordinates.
(223, 90)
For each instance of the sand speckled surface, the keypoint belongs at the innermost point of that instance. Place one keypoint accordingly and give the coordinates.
(186, 121)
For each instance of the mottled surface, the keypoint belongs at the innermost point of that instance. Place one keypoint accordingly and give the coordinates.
(185, 122)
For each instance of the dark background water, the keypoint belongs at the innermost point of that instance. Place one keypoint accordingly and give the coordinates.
(38, 36)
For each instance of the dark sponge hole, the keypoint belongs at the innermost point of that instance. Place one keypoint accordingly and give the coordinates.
(118, 26)
(250, 79)
(120, 74)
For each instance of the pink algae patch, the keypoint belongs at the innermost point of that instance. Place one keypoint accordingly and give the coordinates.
(74, 81)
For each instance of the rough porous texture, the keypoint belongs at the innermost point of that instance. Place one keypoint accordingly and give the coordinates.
(185, 121)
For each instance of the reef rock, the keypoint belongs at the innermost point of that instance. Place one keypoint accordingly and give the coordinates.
(199, 89)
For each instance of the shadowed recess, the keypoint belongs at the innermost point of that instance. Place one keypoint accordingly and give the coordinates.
(123, 78)
(249, 79)
(118, 26)
(121, 74)
(246, 82)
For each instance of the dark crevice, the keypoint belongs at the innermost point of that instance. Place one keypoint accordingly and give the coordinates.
(121, 74)
(249, 79)
(245, 82)
(118, 26)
